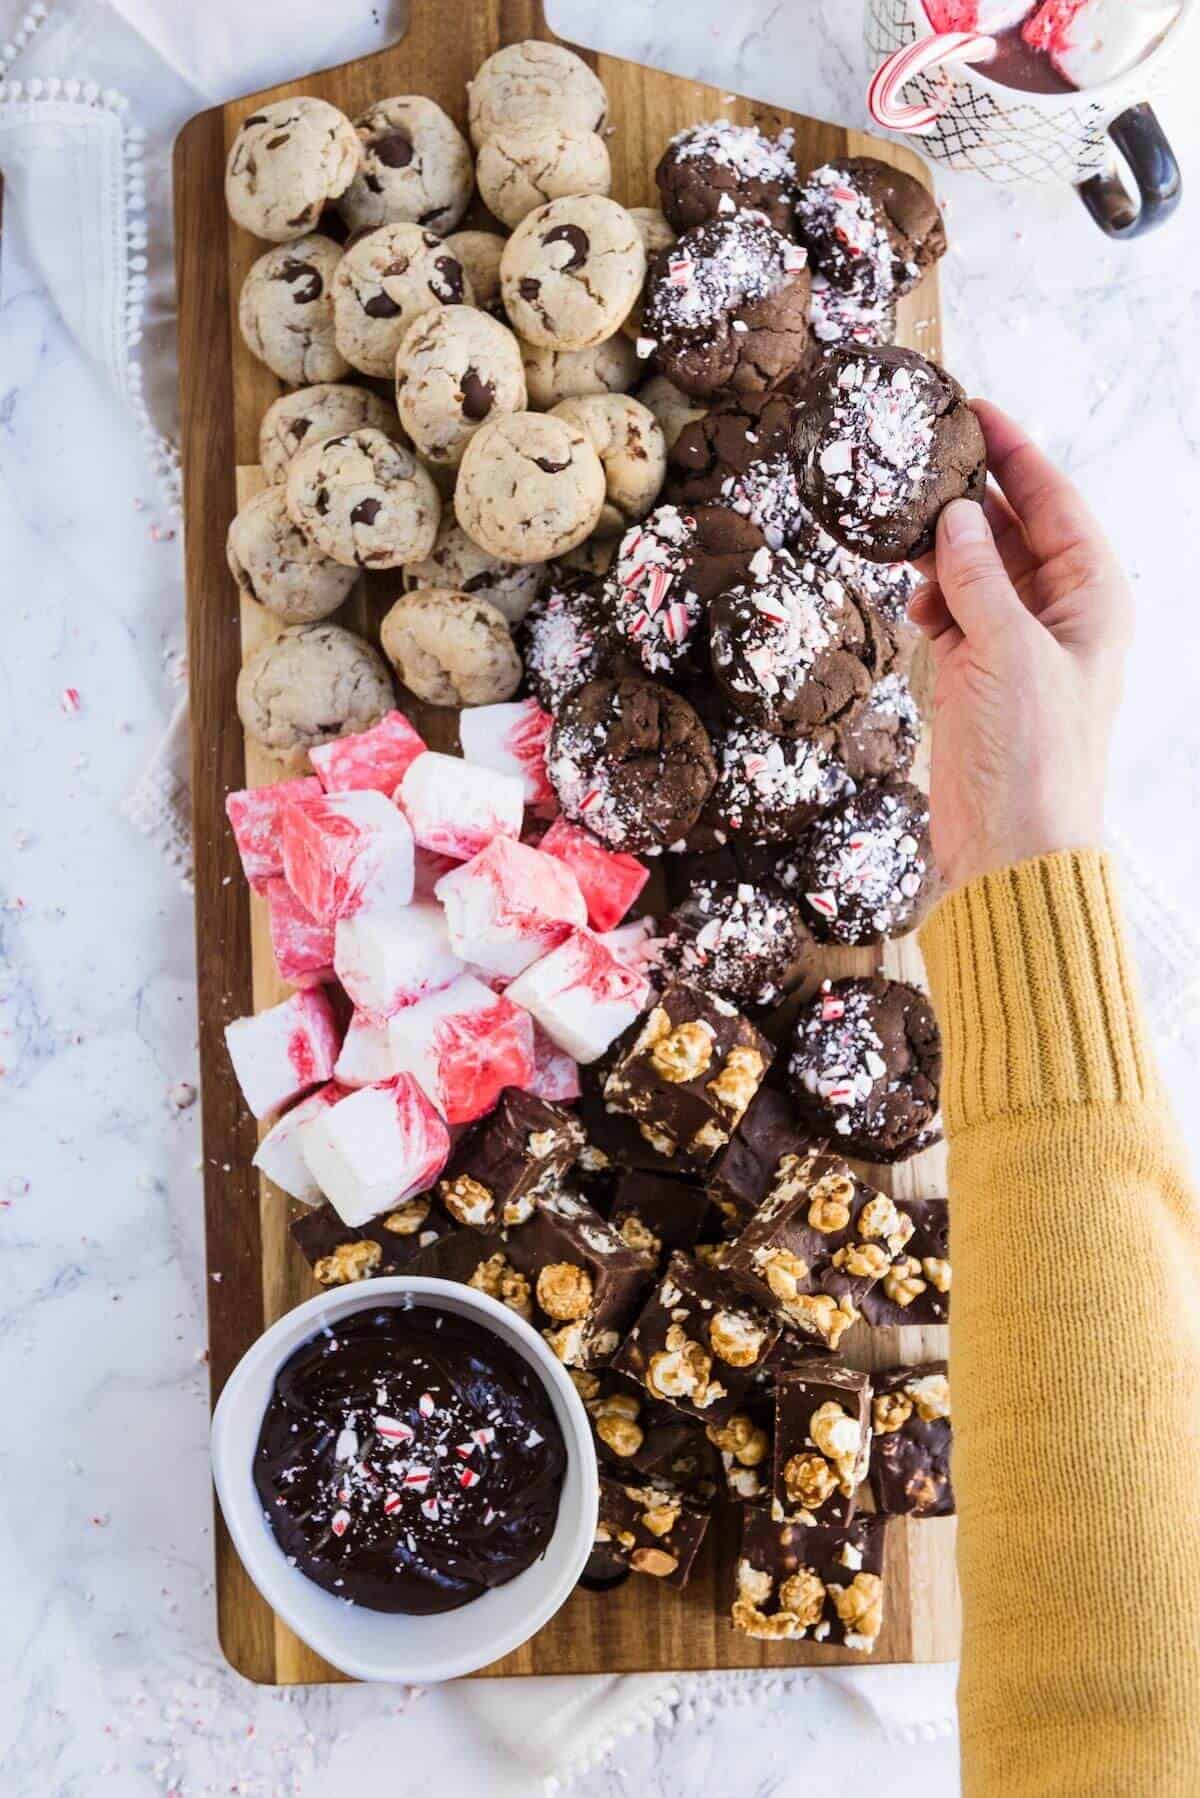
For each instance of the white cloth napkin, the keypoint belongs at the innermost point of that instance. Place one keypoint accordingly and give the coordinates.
(87, 177)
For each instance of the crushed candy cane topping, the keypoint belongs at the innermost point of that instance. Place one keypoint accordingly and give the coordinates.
(745, 149)
(839, 1057)
(865, 864)
(877, 450)
(735, 262)
(648, 591)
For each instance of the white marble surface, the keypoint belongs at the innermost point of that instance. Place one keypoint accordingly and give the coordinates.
(114, 1684)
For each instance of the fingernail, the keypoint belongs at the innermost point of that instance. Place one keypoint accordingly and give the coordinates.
(963, 522)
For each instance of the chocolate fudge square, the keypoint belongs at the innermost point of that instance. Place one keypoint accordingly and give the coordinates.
(742, 1172)
(340, 1254)
(506, 1161)
(916, 1288)
(822, 1443)
(743, 1442)
(689, 1075)
(910, 1449)
(634, 1433)
(654, 1527)
(797, 1581)
(793, 1352)
(697, 1344)
(657, 1215)
(817, 1244)
(585, 1280)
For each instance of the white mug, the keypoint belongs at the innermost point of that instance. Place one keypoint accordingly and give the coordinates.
(969, 121)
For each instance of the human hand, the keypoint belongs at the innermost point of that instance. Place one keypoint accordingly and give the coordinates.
(1029, 617)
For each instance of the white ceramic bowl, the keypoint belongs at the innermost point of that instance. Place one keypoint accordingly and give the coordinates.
(374, 1644)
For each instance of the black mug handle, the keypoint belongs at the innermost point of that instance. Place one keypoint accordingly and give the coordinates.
(1143, 143)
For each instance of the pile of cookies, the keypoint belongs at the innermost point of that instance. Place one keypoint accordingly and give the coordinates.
(674, 623)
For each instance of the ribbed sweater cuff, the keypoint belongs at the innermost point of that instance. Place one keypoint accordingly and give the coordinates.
(1034, 992)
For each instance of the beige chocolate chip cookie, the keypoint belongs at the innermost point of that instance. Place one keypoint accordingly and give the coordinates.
(383, 282)
(288, 160)
(416, 167)
(534, 84)
(312, 683)
(626, 437)
(529, 487)
(455, 368)
(671, 408)
(451, 648)
(274, 562)
(552, 375)
(455, 562)
(522, 167)
(296, 420)
(364, 500)
(571, 272)
(285, 311)
(656, 234)
(480, 253)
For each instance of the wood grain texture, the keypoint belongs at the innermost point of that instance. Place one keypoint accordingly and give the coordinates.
(224, 393)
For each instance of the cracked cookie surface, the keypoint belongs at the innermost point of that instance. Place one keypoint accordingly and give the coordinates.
(529, 487)
(451, 648)
(456, 368)
(384, 281)
(416, 167)
(533, 83)
(523, 167)
(285, 311)
(288, 159)
(273, 562)
(312, 683)
(296, 421)
(572, 271)
(364, 500)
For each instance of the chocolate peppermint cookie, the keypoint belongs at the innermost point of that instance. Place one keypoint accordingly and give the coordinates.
(864, 871)
(865, 1068)
(883, 440)
(566, 640)
(669, 570)
(746, 942)
(739, 456)
(870, 229)
(716, 169)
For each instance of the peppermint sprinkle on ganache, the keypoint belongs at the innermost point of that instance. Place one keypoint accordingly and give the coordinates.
(745, 149)
(879, 447)
(652, 603)
(734, 262)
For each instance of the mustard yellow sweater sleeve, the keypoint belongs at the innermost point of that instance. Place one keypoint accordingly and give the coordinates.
(1075, 1349)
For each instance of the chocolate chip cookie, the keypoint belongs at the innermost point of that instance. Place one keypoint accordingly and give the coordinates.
(883, 440)
(626, 437)
(727, 307)
(713, 170)
(739, 455)
(656, 234)
(274, 562)
(865, 1066)
(571, 271)
(364, 500)
(522, 167)
(529, 487)
(610, 366)
(534, 83)
(310, 684)
(674, 410)
(455, 368)
(668, 571)
(869, 228)
(296, 420)
(451, 648)
(288, 160)
(632, 762)
(416, 168)
(456, 563)
(285, 311)
(385, 280)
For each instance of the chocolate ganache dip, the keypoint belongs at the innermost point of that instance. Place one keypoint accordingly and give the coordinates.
(409, 1460)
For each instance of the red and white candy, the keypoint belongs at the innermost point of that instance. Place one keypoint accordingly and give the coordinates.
(512, 739)
(608, 880)
(977, 15)
(509, 905)
(284, 1052)
(374, 758)
(464, 1045)
(455, 808)
(254, 816)
(376, 1148)
(342, 851)
(302, 945)
(581, 995)
(555, 1073)
(389, 959)
(279, 1155)
(365, 1058)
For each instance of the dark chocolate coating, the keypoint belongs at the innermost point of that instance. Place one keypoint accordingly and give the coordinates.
(739, 455)
(799, 1395)
(743, 1173)
(864, 870)
(701, 1306)
(883, 440)
(340, 1254)
(880, 1061)
(565, 640)
(669, 570)
(505, 1162)
(747, 942)
(782, 1549)
(925, 1250)
(335, 1462)
(699, 179)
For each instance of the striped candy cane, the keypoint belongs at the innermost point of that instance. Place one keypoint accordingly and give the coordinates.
(927, 53)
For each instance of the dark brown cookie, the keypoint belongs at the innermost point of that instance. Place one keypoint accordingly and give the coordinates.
(870, 229)
(883, 440)
(790, 648)
(746, 942)
(669, 569)
(713, 170)
(864, 871)
(739, 455)
(840, 315)
(631, 760)
(865, 1067)
(727, 307)
(886, 587)
(880, 741)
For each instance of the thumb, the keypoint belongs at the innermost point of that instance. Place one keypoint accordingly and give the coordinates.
(973, 580)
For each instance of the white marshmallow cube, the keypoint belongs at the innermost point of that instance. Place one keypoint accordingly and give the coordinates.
(464, 1045)
(376, 1148)
(456, 808)
(509, 905)
(581, 995)
(1100, 39)
(365, 1058)
(254, 815)
(342, 851)
(279, 1155)
(370, 758)
(555, 1073)
(389, 959)
(279, 1054)
(511, 738)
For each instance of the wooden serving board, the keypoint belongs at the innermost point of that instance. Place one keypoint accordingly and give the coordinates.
(255, 1272)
